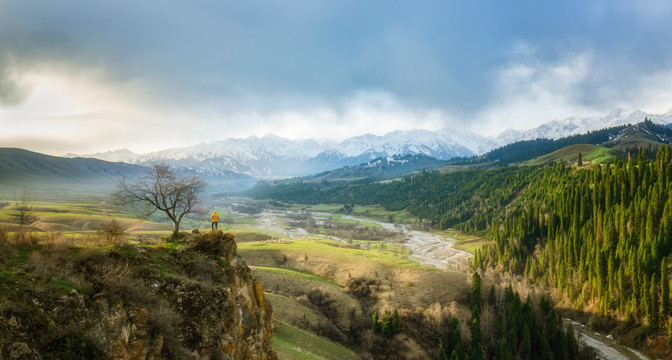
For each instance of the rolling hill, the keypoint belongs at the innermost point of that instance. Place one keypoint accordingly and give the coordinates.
(614, 141)
(382, 168)
(21, 168)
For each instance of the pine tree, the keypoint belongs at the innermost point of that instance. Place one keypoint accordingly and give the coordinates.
(579, 160)
(664, 291)
(653, 298)
(396, 322)
(526, 346)
(491, 296)
(476, 352)
(454, 355)
(442, 354)
(374, 322)
(572, 344)
(476, 294)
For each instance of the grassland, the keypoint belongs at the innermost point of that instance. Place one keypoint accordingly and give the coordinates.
(80, 219)
(589, 153)
(464, 242)
(291, 343)
(328, 288)
(323, 292)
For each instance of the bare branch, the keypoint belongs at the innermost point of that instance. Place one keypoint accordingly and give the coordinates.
(24, 206)
(163, 190)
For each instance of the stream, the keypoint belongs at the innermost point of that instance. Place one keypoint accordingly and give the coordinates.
(438, 251)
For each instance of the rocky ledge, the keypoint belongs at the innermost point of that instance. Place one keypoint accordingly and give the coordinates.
(191, 299)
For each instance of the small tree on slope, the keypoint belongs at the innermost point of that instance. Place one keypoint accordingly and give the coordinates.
(161, 189)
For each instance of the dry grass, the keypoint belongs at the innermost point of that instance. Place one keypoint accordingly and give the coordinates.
(113, 231)
(18, 236)
(325, 297)
(308, 273)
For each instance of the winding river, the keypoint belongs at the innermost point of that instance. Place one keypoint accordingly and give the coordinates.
(438, 251)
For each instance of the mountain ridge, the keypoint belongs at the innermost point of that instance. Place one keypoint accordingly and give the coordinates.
(272, 156)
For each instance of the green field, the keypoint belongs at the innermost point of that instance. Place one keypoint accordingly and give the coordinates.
(80, 220)
(308, 281)
(296, 275)
(589, 153)
(292, 343)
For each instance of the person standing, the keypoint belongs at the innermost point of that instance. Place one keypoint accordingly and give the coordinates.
(215, 219)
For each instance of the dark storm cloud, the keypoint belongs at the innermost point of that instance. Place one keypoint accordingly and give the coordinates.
(12, 90)
(437, 54)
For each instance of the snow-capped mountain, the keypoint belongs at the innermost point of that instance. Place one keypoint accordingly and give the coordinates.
(434, 144)
(121, 155)
(273, 156)
(580, 125)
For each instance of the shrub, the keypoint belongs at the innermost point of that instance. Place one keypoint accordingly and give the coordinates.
(112, 231)
(215, 244)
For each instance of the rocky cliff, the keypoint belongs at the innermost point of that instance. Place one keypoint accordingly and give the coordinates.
(193, 299)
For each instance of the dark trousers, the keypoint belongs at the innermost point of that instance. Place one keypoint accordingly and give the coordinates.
(214, 225)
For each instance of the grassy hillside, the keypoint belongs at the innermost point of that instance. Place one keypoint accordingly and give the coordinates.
(291, 343)
(331, 289)
(590, 153)
(26, 169)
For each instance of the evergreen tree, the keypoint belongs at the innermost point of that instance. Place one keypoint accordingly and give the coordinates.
(664, 291)
(653, 298)
(526, 343)
(579, 160)
(572, 344)
(476, 352)
(442, 354)
(396, 322)
(476, 294)
(491, 295)
(455, 355)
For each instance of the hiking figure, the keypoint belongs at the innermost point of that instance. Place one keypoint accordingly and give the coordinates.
(215, 219)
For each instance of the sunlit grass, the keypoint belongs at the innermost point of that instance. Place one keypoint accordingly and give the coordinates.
(298, 275)
(327, 249)
(290, 342)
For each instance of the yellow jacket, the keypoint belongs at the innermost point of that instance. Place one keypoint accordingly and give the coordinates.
(214, 217)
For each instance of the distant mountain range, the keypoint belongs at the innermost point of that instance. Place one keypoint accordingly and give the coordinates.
(271, 156)
(580, 125)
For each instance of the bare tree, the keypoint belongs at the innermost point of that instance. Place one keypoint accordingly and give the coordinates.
(24, 206)
(161, 189)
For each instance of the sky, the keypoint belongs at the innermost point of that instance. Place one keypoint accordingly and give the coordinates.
(81, 76)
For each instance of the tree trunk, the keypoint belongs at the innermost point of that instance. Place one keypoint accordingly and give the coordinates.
(176, 228)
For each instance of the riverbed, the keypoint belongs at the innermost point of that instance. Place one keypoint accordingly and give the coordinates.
(438, 251)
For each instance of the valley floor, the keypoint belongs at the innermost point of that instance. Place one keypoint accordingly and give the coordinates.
(431, 249)
(325, 274)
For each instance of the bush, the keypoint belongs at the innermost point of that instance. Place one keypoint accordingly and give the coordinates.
(215, 244)
(112, 231)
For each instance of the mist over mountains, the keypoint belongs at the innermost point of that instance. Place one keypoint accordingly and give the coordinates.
(273, 156)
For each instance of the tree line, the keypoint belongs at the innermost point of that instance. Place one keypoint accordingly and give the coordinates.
(601, 236)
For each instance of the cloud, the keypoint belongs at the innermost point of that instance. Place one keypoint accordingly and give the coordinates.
(374, 112)
(13, 89)
(530, 90)
(156, 74)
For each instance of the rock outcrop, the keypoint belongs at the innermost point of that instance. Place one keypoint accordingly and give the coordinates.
(190, 300)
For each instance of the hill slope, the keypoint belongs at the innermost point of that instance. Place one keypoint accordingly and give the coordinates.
(21, 168)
